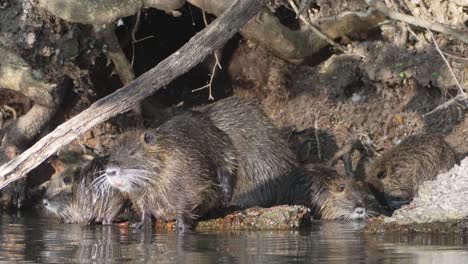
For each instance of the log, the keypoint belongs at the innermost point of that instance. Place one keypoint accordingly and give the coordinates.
(282, 217)
(124, 99)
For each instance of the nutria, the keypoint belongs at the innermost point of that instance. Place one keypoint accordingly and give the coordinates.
(181, 170)
(265, 158)
(396, 176)
(329, 194)
(73, 196)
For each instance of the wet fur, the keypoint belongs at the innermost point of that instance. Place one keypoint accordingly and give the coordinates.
(396, 176)
(318, 187)
(264, 159)
(81, 201)
(177, 177)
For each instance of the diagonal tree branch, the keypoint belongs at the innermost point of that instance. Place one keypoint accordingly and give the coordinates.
(192, 53)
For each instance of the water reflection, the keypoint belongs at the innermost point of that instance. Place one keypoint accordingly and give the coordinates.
(32, 239)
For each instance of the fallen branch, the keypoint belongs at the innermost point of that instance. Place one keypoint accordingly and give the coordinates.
(192, 53)
(417, 21)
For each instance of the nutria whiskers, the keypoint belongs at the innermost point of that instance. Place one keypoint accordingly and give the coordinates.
(74, 198)
(328, 194)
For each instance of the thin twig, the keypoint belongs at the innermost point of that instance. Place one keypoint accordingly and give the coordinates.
(217, 63)
(456, 99)
(319, 150)
(462, 91)
(210, 97)
(134, 30)
(134, 40)
(457, 57)
(420, 22)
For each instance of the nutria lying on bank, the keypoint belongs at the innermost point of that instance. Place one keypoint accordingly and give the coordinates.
(396, 176)
(328, 194)
(180, 170)
(74, 198)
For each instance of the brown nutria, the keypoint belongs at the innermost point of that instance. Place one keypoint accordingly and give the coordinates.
(265, 158)
(73, 196)
(395, 176)
(180, 170)
(329, 194)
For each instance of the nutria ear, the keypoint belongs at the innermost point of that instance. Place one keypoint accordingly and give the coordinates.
(149, 138)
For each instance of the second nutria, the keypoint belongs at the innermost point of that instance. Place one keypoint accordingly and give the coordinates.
(328, 194)
(396, 176)
(265, 158)
(180, 170)
(75, 198)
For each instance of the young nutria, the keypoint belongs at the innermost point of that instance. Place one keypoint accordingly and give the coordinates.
(395, 177)
(73, 196)
(265, 158)
(328, 194)
(180, 170)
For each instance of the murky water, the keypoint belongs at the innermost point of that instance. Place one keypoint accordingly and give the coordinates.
(35, 239)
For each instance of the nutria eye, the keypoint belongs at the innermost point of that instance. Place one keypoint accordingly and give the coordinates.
(67, 180)
(341, 188)
(381, 175)
(149, 138)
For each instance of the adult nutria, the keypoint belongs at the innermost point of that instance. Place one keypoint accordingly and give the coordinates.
(328, 194)
(395, 177)
(265, 158)
(73, 196)
(180, 170)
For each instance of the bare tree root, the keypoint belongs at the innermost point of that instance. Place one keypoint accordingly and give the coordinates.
(16, 74)
(115, 53)
(417, 21)
(103, 12)
(295, 46)
(17, 134)
(192, 53)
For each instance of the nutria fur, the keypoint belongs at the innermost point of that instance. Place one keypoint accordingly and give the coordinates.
(74, 198)
(396, 176)
(328, 194)
(265, 158)
(180, 170)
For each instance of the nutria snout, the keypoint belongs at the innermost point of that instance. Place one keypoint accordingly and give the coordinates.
(396, 176)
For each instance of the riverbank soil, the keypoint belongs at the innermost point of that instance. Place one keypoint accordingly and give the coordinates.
(380, 81)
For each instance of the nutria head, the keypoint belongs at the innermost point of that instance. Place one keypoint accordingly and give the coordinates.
(60, 190)
(75, 196)
(391, 181)
(396, 175)
(134, 161)
(332, 195)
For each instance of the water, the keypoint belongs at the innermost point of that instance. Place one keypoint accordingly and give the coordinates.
(35, 239)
